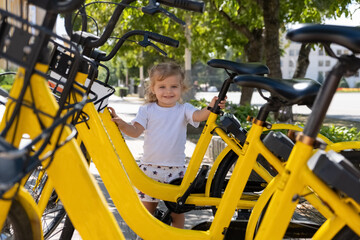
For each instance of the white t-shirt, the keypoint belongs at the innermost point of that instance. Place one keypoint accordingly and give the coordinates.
(165, 132)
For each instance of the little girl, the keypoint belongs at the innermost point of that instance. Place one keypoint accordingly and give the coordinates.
(163, 120)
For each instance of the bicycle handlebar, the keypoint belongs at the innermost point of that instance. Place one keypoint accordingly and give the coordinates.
(185, 4)
(94, 43)
(161, 39)
(154, 36)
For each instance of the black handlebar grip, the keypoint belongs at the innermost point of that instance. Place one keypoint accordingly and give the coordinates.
(185, 4)
(162, 39)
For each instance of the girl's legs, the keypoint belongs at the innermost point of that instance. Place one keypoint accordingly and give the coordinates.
(178, 220)
(150, 206)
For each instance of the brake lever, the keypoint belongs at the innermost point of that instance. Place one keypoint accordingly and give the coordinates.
(154, 7)
(172, 16)
(146, 42)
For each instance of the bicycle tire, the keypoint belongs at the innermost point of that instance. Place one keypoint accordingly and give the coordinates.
(295, 230)
(346, 233)
(17, 224)
(67, 230)
(54, 211)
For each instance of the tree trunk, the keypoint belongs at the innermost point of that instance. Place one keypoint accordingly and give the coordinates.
(191, 93)
(302, 61)
(272, 26)
(253, 51)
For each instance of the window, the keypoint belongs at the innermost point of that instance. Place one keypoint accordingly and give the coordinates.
(346, 51)
(338, 52)
(291, 63)
(321, 63)
(327, 63)
(320, 77)
(321, 52)
(291, 53)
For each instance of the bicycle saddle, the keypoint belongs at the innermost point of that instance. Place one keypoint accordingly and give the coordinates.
(290, 91)
(83, 38)
(348, 37)
(239, 68)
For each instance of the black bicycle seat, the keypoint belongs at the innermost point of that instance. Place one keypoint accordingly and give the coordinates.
(290, 91)
(345, 36)
(82, 38)
(239, 68)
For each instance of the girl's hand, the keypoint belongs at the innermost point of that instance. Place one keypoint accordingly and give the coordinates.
(221, 104)
(112, 111)
(115, 118)
(203, 114)
(132, 130)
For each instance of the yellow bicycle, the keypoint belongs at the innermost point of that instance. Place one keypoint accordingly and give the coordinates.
(72, 181)
(324, 174)
(183, 193)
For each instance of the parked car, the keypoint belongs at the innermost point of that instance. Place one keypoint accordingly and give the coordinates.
(212, 89)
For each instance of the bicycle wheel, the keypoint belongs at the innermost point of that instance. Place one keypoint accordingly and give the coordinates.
(17, 224)
(54, 211)
(346, 233)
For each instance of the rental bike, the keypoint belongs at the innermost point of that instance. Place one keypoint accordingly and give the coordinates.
(77, 181)
(141, 181)
(329, 176)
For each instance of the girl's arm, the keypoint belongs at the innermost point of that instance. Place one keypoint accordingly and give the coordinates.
(203, 114)
(132, 130)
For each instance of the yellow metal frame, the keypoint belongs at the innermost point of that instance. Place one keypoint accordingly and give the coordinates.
(109, 169)
(82, 198)
(68, 171)
(296, 177)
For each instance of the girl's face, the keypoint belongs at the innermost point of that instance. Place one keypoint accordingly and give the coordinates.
(168, 91)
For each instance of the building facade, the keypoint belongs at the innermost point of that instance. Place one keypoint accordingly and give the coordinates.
(320, 62)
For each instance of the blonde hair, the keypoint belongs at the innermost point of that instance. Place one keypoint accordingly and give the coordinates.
(159, 73)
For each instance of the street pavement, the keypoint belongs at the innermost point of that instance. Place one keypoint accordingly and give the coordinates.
(344, 106)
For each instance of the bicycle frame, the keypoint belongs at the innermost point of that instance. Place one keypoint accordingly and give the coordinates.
(106, 161)
(297, 174)
(117, 181)
(71, 190)
(109, 169)
(114, 176)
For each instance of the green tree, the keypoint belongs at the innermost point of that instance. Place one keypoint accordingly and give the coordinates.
(248, 28)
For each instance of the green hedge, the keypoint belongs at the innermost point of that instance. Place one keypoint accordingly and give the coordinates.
(121, 91)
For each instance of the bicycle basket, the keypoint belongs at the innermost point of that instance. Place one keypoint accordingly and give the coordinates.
(27, 45)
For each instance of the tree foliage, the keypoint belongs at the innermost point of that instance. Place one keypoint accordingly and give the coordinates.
(230, 29)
